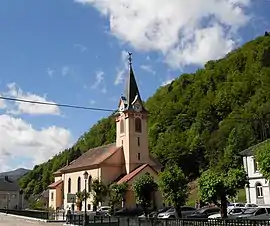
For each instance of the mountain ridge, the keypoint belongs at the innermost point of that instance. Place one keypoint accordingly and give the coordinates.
(15, 174)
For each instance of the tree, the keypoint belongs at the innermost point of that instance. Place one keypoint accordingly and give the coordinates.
(262, 156)
(143, 189)
(81, 196)
(37, 205)
(174, 187)
(99, 192)
(216, 186)
(116, 194)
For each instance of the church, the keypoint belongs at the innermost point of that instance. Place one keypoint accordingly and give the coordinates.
(123, 161)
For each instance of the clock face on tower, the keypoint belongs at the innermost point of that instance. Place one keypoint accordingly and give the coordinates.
(137, 107)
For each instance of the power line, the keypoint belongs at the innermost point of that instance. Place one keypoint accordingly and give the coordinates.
(55, 104)
(108, 110)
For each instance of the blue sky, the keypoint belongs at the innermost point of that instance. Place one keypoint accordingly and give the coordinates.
(74, 52)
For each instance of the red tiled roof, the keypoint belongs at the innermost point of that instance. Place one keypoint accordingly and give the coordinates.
(92, 157)
(129, 176)
(55, 184)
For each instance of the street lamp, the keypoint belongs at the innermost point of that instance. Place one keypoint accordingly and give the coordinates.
(85, 175)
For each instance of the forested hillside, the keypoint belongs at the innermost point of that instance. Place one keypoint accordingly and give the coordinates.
(198, 120)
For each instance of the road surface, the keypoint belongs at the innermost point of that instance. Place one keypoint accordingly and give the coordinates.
(6, 220)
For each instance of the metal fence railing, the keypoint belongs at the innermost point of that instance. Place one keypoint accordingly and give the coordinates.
(128, 221)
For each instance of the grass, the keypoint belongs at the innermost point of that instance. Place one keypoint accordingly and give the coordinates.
(193, 196)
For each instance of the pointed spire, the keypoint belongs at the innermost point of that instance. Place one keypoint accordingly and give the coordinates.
(131, 85)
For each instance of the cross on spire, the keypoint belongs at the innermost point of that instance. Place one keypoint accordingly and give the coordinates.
(130, 58)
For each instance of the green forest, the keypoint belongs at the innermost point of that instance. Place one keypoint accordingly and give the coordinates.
(198, 121)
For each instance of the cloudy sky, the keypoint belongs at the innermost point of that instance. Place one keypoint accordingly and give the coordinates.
(74, 52)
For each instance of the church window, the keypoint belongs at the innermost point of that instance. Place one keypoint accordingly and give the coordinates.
(69, 185)
(122, 126)
(138, 125)
(139, 156)
(255, 164)
(138, 141)
(259, 190)
(79, 184)
(89, 183)
(52, 196)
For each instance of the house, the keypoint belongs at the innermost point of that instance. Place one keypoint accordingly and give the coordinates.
(258, 190)
(122, 161)
(43, 197)
(10, 195)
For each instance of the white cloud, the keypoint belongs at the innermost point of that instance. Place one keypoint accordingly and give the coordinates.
(100, 81)
(20, 140)
(122, 70)
(29, 108)
(92, 102)
(50, 72)
(167, 82)
(65, 70)
(184, 32)
(120, 76)
(148, 68)
(80, 47)
(2, 103)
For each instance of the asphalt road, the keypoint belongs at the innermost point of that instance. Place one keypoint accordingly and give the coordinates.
(6, 220)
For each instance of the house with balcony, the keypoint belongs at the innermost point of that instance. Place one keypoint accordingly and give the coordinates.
(258, 190)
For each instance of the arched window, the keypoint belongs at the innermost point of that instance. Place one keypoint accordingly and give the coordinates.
(122, 126)
(89, 183)
(138, 125)
(79, 184)
(259, 190)
(69, 185)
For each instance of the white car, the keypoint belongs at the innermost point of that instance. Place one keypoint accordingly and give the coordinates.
(239, 204)
(170, 213)
(104, 209)
(234, 211)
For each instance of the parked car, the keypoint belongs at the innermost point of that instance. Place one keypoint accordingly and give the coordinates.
(251, 212)
(103, 210)
(204, 212)
(129, 212)
(230, 212)
(155, 213)
(239, 204)
(171, 213)
(248, 205)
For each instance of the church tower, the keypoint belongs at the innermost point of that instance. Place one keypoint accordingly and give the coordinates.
(131, 125)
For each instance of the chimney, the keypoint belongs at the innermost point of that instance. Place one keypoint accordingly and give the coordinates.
(67, 163)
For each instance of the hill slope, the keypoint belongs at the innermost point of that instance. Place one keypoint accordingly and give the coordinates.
(198, 120)
(15, 174)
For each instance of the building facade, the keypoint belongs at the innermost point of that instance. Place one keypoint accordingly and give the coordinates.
(258, 190)
(10, 195)
(123, 161)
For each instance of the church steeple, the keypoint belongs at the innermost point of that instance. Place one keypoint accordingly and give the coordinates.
(131, 125)
(132, 93)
